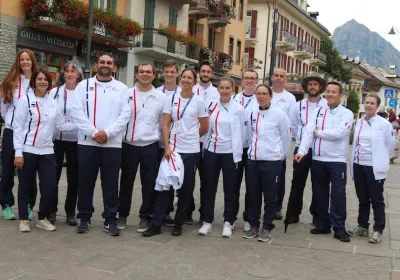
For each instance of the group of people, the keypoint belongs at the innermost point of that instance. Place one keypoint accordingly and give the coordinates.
(101, 125)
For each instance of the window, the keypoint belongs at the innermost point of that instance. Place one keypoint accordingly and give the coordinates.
(238, 51)
(234, 3)
(231, 43)
(211, 38)
(241, 6)
(106, 4)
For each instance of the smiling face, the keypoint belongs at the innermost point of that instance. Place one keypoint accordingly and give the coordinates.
(263, 96)
(71, 75)
(187, 80)
(225, 90)
(25, 62)
(249, 81)
(105, 66)
(370, 106)
(41, 83)
(170, 74)
(333, 95)
(205, 73)
(145, 75)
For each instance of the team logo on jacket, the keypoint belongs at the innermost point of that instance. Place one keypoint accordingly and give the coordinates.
(33, 104)
(303, 108)
(348, 125)
(91, 88)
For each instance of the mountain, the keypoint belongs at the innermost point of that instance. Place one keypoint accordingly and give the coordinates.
(355, 39)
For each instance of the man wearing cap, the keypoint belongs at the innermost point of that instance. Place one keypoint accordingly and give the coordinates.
(314, 86)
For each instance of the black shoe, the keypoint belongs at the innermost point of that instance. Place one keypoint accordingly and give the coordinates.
(83, 227)
(342, 237)
(177, 231)
(111, 228)
(168, 221)
(189, 220)
(320, 231)
(278, 215)
(121, 223)
(52, 218)
(153, 230)
(71, 220)
(314, 221)
(292, 220)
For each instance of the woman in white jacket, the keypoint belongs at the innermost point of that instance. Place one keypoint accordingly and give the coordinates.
(373, 146)
(223, 150)
(66, 143)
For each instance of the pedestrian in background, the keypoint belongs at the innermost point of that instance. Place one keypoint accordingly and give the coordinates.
(373, 146)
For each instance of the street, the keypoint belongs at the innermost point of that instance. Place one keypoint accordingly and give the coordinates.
(64, 254)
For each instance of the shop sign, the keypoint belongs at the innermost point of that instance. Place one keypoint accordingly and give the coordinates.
(45, 41)
(121, 57)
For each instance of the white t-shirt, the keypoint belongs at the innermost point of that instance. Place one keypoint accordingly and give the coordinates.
(185, 114)
(284, 101)
(168, 93)
(221, 134)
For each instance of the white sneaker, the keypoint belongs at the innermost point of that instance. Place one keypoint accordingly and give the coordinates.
(205, 229)
(24, 226)
(246, 226)
(46, 225)
(227, 230)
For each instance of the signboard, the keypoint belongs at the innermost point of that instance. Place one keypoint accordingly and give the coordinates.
(389, 93)
(393, 103)
(40, 40)
(121, 57)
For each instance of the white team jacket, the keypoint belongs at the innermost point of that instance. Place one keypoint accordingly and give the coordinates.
(8, 110)
(270, 133)
(65, 103)
(383, 143)
(143, 127)
(101, 106)
(332, 142)
(34, 123)
(238, 127)
(170, 173)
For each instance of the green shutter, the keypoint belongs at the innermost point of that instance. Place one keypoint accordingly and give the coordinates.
(149, 11)
(96, 3)
(173, 17)
(113, 6)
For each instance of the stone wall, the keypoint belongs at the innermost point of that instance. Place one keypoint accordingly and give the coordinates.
(8, 38)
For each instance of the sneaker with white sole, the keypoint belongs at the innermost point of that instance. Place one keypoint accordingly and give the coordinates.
(46, 225)
(227, 230)
(24, 226)
(358, 231)
(376, 237)
(205, 229)
(246, 226)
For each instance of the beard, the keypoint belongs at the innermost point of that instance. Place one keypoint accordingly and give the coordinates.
(103, 74)
(204, 79)
(313, 94)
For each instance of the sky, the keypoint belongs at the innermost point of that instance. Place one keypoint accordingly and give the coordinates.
(378, 16)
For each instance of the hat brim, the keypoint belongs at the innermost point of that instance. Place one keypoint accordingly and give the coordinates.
(321, 81)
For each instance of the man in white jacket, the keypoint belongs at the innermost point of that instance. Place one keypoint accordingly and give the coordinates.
(328, 131)
(101, 113)
(140, 146)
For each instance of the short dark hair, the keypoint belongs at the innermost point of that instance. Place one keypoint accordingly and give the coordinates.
(46, 73)
(145, 64)
(250, 71)
(206, 63)
(267, 87)
(171, 63)
(192, 71)
(336, 84)
(107, 54)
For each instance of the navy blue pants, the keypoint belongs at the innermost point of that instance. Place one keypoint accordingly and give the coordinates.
(45, 166)
(161, 152)
(91, 160)
(263, 180)
(70, 150)
(281, 186)
(132, 156)
(329, 179)
(242, 168)
(7, 175)
(190, 163)
(203, 182)
(300, 174)
(216, 163)
(369, 191)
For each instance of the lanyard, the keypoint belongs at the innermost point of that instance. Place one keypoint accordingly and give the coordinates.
(247, 104)
(184, 108)
(174, 91)
(226, 109)
(198, 91)
(19, 88)
(65, 101)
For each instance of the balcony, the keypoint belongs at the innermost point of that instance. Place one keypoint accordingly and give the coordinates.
(251, 37)
(200, 10)
(304, 51)
(222, 62)
(222, 15)
(318, 60)
(71, 21)
(286, 42)
(156, 44)
(251, 63)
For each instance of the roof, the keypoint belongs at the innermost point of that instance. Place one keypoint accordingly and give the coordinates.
(309, 17)
(379, 74)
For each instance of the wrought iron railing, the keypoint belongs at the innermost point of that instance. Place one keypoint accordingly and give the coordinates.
(305, 47)
(220, 60)
(287, 37)
(321, 56)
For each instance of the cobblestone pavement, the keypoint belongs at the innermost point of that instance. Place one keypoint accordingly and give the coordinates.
(295, 255)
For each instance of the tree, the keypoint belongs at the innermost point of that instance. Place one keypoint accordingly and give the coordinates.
(353, 102)
(335, 65)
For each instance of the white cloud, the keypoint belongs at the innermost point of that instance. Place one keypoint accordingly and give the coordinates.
(378, 16)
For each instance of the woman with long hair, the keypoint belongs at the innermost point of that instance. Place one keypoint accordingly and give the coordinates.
(14, 86)
(36, 117)
(66, 143)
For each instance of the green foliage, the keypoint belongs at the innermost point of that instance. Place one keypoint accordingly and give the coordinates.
(353, 102)
(335, 66)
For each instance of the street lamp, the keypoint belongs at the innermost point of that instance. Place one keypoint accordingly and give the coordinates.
(392, 31)
(89, 40)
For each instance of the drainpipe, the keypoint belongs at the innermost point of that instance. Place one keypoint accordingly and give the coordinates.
(89, 40)
(266, 43)
(274, 31)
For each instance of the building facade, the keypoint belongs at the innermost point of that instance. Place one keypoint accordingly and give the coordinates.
(297, 40)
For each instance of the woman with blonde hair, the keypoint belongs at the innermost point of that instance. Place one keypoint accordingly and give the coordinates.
(66, 143)
(14, 86)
